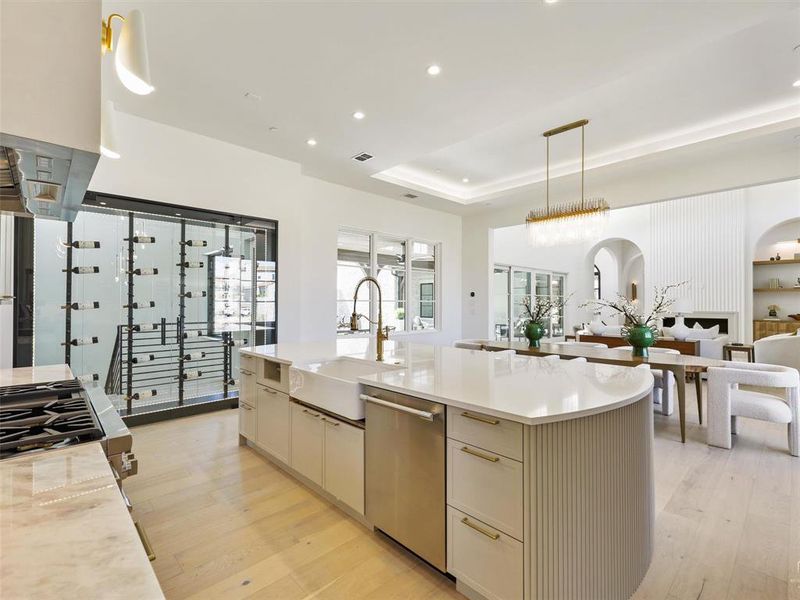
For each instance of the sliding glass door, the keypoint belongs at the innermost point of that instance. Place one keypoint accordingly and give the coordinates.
(511, 286)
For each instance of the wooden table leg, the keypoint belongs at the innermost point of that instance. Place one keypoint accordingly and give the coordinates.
(680, 383)
(698, 386)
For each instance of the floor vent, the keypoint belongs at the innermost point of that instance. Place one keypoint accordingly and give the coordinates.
(363, 157)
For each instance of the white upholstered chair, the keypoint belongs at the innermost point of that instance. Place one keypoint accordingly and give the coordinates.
(782, 349)
(726, 402)
(664, 387)
(578, 359)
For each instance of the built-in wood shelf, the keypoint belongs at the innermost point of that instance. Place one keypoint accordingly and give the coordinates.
(784, 289)
(783, 261)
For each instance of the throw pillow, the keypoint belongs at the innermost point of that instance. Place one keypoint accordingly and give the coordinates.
(698, 333)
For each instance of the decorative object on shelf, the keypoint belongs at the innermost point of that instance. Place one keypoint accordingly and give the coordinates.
(773, 310)
(639, 330)
(795, 317)
(777, 256)
(537, 313)
(774, 283)
(798, 282)
(566, 223)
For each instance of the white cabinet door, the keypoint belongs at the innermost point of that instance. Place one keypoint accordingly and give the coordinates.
(307, 442)
(272, 429)
(344, 462)
(247, 421)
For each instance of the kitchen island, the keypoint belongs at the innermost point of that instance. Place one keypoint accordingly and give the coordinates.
(548, 483)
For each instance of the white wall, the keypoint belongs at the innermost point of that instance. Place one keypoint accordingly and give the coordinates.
(708, 239)
(170, 165)
(50, 71)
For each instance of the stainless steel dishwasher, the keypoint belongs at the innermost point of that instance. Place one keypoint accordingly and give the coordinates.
(404, 458)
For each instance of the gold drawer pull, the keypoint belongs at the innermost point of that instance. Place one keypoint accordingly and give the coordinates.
(334, 423)
(479, 454)
(486, 420)
(151, 556)
(308, 412)
(479, 529)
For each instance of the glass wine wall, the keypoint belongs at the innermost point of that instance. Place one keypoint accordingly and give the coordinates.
(140, 311)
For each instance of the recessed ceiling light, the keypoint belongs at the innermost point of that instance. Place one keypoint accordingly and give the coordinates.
(550, 1)
(434, 70)
(465, 180)
(311, 142)
(796, 83)
(358, 115)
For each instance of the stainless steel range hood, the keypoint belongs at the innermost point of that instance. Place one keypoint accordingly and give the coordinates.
(43, 179)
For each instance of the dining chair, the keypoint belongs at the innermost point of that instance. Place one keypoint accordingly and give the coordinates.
(664, 387)
(727, 401)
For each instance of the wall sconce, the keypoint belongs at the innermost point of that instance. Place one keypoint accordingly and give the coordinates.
(130, 58)
(108, 131)
(634, 296)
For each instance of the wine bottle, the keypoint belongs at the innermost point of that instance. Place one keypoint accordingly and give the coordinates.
(143, 359)
(142, 239)
(235, 343)
(148, 304)
(194, 374)
(194, 356)
(146, 271)
(189, 264)
(82, 305)
(83, 341)
(84, 245)
(193, 333)
(144, 394)
(195, 294)
(145, 327)
(83, 270)
(89, 378)
(196, 243)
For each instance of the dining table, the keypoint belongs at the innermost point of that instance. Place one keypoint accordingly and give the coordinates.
(680, 365)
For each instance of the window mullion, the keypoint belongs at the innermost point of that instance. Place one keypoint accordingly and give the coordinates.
(373, 293)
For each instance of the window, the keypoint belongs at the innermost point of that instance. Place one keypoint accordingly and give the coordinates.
(511, 286)
(597, 288)
(407, 271)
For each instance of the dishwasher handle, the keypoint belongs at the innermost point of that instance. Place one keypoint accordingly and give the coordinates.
(422, 414)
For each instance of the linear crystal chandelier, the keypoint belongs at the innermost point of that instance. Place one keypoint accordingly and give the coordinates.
(566, 223)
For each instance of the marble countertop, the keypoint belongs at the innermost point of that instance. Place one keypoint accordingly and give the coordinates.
(65, 530)
(31, 375)
(526, 389)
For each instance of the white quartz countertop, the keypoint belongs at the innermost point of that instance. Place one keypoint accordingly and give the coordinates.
(65, 531)
(33, 375)
(520, 388)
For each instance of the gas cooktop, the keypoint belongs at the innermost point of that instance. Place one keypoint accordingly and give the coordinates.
(46, 415)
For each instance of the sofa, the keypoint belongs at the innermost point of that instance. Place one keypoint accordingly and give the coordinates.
(710, 340)
(781, 349)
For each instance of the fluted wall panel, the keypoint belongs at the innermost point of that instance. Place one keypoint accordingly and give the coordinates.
(592, 504)
(701, 239)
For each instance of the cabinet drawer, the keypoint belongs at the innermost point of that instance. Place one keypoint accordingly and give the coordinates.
(486, 485)
(247, 421)
(490, 433)
(487, 560)
(273, 374)
(247, 364)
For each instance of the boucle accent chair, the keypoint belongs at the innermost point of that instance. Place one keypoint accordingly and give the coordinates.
(664, 387)
(726, 402)
(782, 349)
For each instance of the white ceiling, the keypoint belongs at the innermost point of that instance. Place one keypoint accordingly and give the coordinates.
(651, 77)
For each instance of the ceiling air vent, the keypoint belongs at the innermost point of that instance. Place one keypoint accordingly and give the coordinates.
(410, 196)
(363, 157)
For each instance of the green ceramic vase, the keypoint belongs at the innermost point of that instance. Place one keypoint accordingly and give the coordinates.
(640, 338)
(534, 332)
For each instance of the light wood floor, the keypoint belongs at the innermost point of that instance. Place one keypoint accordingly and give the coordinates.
(225, 523)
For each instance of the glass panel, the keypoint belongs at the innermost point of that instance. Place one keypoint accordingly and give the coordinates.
(391, 274)
(353, 264)
(521, 287)
(423, 286)
(501, 282)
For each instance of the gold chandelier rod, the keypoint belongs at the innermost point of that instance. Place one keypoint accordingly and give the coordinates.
(562, 129)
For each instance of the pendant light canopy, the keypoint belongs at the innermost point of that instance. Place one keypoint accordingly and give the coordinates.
(108, 131)
(566, 223)
(130, 58)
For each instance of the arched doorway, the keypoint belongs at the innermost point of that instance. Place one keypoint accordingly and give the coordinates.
(615, 266)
